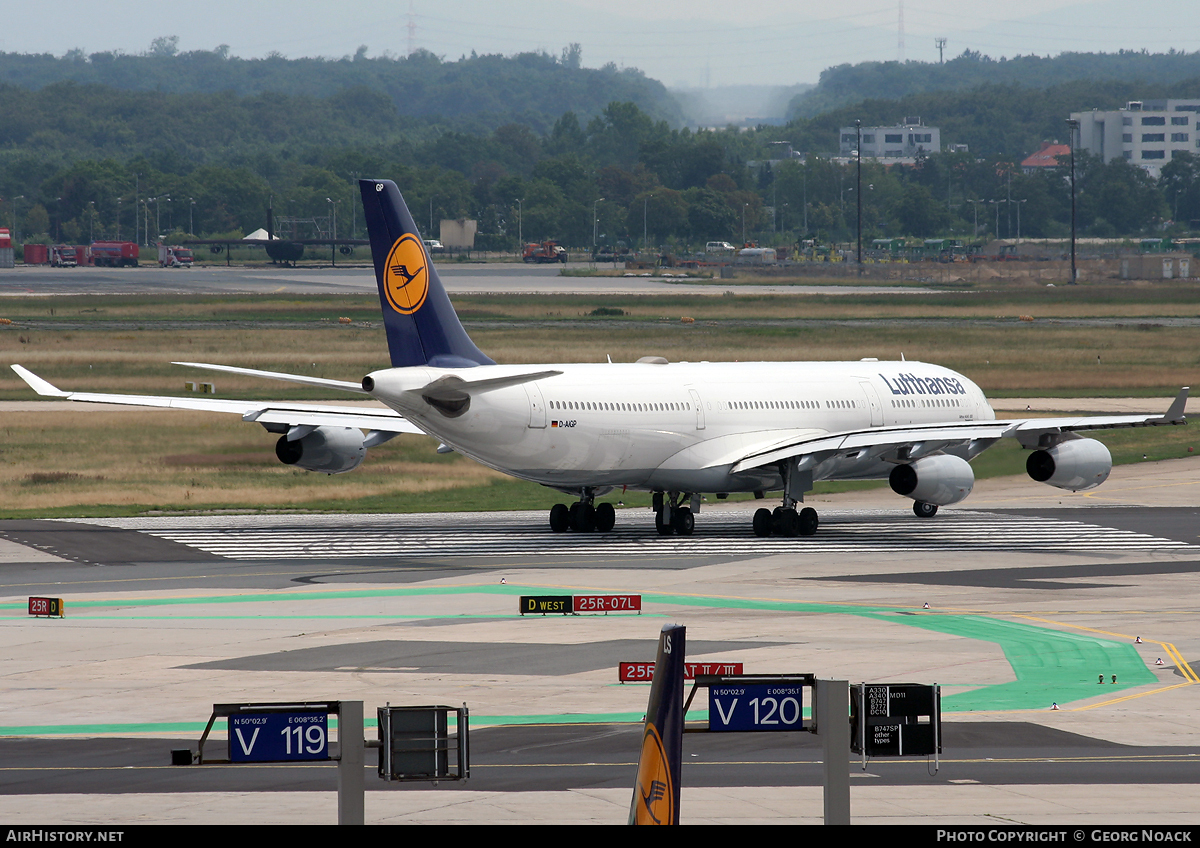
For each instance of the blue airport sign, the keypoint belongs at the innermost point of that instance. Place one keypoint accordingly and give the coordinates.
(769, 706)
(278, 737)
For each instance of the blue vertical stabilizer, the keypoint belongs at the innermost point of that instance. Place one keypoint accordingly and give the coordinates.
(421, 326)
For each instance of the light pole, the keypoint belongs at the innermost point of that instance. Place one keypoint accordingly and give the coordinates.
(1073, 125)
(1019, 202)
(12, 219)
(744, 205)
(858, 188)
(191, 209)
(333, 230)
(520, 226)
(91, 221)
(645, 218)
(595, 223)
(119, 218)
(975, 206)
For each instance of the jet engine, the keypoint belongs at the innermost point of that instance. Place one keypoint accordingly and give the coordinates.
(332, 450)
(940, 480)
(1073, 465)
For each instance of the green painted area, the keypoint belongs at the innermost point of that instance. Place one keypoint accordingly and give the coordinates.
(1049, 665)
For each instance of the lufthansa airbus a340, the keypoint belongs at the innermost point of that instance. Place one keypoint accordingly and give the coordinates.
(676, 429)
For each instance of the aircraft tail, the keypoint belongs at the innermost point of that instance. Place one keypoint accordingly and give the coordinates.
(660, 766)
(422, 328)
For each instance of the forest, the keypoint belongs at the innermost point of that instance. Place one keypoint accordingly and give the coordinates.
(86, 159)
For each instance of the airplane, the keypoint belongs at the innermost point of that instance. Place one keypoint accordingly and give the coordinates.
(676, 429)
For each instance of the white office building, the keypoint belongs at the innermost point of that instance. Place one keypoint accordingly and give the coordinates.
(904, 141)
(1147, 133)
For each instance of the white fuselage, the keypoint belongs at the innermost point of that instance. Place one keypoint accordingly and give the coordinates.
(679, 426)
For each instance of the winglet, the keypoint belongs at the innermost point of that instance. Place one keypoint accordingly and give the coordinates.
(1175, 413)
(42, 387)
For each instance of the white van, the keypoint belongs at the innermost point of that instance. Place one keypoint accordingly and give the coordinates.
(719, 247)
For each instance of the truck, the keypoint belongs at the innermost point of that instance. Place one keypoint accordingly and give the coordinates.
(174, 256)
(115, 254)
(546, 251)
(62, 256)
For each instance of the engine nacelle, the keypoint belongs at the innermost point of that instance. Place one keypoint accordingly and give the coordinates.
(1073, 465)
(332, 450)
(940, 480)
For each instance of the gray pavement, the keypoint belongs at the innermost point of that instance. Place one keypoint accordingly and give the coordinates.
(149, 644)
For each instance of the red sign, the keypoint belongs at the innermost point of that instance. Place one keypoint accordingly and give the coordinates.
(607, 603)
(643, 672)
(46, 606)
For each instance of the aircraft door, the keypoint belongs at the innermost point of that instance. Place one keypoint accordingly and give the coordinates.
(696, 402)
(873, 403)
(537, 406)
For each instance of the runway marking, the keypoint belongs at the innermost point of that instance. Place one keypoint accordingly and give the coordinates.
(498, 534)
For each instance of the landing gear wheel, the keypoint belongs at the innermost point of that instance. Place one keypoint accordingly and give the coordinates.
(786, 522)
(807, 521)
(924, 510)
(663, 527)
(560, 518)
(583, 517)
(683, 521)
(762, 522)
(606, 517)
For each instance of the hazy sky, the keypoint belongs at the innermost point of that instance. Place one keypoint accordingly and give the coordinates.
(681, 42)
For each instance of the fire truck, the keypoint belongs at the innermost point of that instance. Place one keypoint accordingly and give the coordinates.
(174, 256)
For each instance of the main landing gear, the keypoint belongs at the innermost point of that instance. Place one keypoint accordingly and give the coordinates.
(584, 516)
(785, 521)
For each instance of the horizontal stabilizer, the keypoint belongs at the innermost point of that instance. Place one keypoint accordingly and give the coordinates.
(453, 387)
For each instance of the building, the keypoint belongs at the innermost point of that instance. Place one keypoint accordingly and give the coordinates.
(1146, 133)
(904, 141)
(1046, 157)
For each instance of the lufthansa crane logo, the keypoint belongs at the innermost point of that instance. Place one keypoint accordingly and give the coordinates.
(654, 801)
(406, 275)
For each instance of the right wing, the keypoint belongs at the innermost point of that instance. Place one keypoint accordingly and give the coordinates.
(277, 417)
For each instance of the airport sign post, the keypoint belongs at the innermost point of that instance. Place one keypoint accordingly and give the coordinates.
(279, 737)
(415, 743)
(575, 604)
(49, 607)
(643, 672)
(896, 720)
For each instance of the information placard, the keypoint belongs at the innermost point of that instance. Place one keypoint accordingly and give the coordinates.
(607, 603)
(278, 737)
(46, 606)
(643, 672)
(771, 706)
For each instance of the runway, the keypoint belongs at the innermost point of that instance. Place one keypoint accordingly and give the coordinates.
(1009, 608)
(525, 534)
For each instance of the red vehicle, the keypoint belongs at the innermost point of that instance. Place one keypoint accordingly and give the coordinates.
(547, 251)
(115, 254)
(63, 256)
(174, 256)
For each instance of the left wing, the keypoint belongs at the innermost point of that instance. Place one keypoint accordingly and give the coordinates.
(282, 417)
(907, 442)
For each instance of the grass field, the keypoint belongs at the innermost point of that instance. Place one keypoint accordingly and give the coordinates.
(1133, 340)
